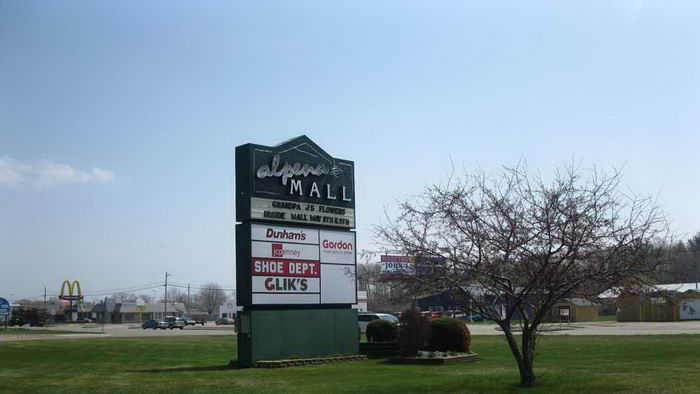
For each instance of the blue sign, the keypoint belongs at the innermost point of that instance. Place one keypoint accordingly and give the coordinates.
(5, 307)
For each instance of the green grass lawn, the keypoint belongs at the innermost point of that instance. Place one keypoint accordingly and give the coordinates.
(198, 364)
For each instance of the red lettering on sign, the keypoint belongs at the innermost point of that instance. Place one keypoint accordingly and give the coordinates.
(284, 234)
(341, 245)
(280, 267)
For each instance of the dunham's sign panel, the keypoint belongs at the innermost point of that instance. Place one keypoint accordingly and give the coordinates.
(293, 265)
(294, 182)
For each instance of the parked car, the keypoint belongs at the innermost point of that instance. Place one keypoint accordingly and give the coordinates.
(470, 318)
(189, 321)
(363, 319)
(85, 320)
(225, 321)
(155, 323)
(175, 322)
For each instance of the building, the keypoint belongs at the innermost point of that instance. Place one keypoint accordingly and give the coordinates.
(574, 310)
(361, 305)
(57, 310)
(660, 305)
(131, 312)
(229, 307)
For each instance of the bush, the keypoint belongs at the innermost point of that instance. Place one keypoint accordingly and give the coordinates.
(381, 331)
(449, 335)
(413, 333)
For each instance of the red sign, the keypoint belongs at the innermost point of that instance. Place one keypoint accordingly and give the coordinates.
(279, 267)
(394, 259)
(277, 250)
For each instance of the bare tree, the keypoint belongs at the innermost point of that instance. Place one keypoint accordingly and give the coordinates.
(123, 296)
(510, 246)
(383, 294)
(210, 296)
(176, 295)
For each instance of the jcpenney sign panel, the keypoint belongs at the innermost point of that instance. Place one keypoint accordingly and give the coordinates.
(294, 182)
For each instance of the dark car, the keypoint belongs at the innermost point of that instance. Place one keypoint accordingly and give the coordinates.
(189, 321)
(225, 321)
(175, 322)
(470, 318)
(363, 319)
(153, 323)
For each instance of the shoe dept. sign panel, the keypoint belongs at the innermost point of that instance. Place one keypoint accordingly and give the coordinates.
(290, 265)
(294, 182)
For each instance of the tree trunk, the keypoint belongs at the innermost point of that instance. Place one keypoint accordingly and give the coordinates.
(527, 373)
(524, 354)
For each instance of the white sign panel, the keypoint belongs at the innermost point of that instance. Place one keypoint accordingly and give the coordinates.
(337, 247)
(298, 212)
(287, 299)
(396, 267)
(285, 284)
(283, 234)
(338, 284)
(690, 309)
(280, 250)
(292, 265)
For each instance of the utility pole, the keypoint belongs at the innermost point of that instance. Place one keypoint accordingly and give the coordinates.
(188, 298)
(165, 303)
(104, 314)
(45, 298)
(697, 268)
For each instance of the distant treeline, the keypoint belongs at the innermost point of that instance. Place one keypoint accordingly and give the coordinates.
(681, 263)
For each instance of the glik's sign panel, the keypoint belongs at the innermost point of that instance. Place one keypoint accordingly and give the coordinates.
(294, 182)
(291, 265)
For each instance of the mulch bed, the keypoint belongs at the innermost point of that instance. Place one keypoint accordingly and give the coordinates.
(307, 361)
(440, 360)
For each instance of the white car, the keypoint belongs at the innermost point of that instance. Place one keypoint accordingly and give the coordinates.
(363, 319)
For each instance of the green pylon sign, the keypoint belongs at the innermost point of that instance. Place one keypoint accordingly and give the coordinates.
(296, 257)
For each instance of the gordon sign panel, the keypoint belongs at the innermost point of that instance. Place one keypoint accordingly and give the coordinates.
(294, 182)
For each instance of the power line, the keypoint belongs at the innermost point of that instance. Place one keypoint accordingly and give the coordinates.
(135, 288)
(105, 292)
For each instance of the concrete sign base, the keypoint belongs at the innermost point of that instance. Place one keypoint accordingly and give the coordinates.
(296, 333)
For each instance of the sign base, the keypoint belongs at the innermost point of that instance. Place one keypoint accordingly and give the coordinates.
(296, 333)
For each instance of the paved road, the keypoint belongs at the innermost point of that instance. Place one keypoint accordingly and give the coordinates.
(120, 330)
(605, 328)
(593, 328)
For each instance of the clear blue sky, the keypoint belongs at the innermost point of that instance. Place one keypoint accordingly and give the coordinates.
(118, 120)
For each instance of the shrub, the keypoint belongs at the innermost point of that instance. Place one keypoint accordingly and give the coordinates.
(381, 331)
(449, 335)
(413, 332)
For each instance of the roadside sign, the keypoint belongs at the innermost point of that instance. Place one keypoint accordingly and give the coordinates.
(5, 307)
(564, 313)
